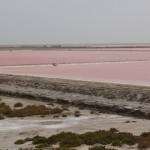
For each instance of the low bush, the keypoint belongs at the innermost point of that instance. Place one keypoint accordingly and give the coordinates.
(70, 140)
(42, 146)
(56, 116)
(29, 110)
(144, 144)
(100, 148)
(18, 142)
(92, 112)
(64, 115)
(144, 140)
(62, 148)
(77, 114)
(38, 140)
(1, 117)
(4, 109)
(51, 104)
(26, 149)
(81, 108)
(18, 104)
(112, 136)
(113, 130)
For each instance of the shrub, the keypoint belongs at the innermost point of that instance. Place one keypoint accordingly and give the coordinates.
(43, 146)
(1, 117)
(77, 114)
(81, 108)
(62, 148)
(4, 109)
(145, 134)
(39, 140)
(29, 110)
(56, 111)
(64, 115)
(113, 130)
(51, 104)
(117, 143)
(144, 140)
(100, 148)
(92, 112)
(18, 142)
(144, 144)
(34, 110)
(69, 140)
(56, 116)
(26, 149)
(18, 104)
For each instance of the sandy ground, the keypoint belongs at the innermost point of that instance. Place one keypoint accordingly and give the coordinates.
(16, 128)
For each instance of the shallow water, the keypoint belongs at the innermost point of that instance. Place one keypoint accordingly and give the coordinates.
(137, 73)
(28, 57)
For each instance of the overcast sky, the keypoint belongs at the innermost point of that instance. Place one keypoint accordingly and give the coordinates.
(74, 21)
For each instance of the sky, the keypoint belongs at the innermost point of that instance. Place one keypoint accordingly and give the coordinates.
(74, 21)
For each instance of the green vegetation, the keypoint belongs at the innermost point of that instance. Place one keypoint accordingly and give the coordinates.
(70, 140)
(29, 110)
(100, 148)
(27, 149)
(61, 148)
(19, 142)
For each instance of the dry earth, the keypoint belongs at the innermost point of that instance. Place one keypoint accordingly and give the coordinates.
(20, 128)
(103, 98)
(111, 98)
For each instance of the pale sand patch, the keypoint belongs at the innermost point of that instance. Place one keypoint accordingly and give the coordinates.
(16, 128)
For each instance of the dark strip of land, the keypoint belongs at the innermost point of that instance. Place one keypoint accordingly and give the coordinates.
(109, 98)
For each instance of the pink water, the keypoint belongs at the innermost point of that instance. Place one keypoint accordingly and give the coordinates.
(130, 73)
(133, 69)
(28, 57)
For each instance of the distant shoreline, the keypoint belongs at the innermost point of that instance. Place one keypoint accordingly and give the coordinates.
(115, 47)
(140, 45)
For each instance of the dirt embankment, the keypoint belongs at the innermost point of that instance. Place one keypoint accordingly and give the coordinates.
(111, 98)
